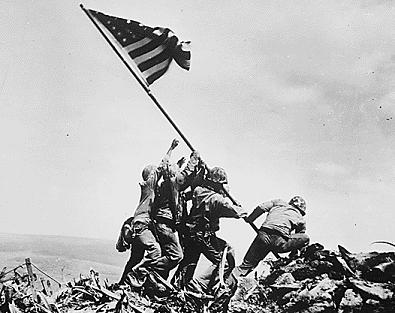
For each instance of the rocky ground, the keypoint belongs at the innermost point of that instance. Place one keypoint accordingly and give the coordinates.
(316, 280)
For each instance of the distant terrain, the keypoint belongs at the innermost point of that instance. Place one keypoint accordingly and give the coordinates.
(63, 257)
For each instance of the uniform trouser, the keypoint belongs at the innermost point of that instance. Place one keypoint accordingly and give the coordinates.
(267, 241)
(212, 248)
(171, 249)
(145, 252)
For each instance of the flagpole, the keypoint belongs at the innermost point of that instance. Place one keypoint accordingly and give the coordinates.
(142, 84)
(146, 88)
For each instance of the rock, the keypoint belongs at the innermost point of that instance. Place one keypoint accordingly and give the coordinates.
(350, 301)
(310, 251)
(246, 286)
(284, 284)
(383, 272)
(324, 289)
(379, 291)
(372, 302)
(285, 279)
(363, 263)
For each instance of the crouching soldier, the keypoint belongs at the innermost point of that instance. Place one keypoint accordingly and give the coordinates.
(282, 231)
(137, 233)
(209, 205)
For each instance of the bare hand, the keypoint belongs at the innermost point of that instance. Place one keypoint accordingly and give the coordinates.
(181, 162)
(195, 154)
(244, 215)
(174, 144)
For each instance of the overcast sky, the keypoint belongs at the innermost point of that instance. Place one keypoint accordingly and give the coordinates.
(291, 98)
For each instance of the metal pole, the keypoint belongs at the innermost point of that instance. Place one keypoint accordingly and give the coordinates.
(146, 88)
(31, 277)
(142, 84)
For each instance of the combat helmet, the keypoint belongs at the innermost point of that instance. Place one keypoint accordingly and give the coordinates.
(147, 171)
(299, 203)
(218, 175)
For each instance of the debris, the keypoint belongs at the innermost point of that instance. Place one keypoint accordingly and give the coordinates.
(351, 301)
(320, 280)
(378, 291)
(317, 280)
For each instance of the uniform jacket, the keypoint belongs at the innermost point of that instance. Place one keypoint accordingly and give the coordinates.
(209, 206)
(281, 217)
(143, 210)
(168, 191)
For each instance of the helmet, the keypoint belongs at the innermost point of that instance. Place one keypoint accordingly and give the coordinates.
(148, 170)
(218, 175)
(299, 203)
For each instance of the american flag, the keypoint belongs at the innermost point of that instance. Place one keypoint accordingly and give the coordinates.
(151, 49)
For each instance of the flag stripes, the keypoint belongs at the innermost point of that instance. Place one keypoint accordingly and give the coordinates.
(151, 49)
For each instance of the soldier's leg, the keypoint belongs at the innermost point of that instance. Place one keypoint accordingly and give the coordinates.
(224, 295)
(229, 264)
(295, 242)
(151, 247)
(257, 251)
(171, 249)
(136, 255)
(212, 248)
(188, 264)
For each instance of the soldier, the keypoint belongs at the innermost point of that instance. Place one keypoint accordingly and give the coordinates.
(167, 212)
(137, 232)
(276, 233)
(209, 205)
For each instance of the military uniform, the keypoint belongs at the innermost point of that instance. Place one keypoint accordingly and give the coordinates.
(168, 212)
(137, 231)
(275, 233)
(203, 223)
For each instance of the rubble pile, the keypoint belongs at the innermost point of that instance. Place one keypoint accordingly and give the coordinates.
(320, 280)
(316, 280)
(90, 294)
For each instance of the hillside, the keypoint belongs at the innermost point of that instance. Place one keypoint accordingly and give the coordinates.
(55, 253)
(314, 280)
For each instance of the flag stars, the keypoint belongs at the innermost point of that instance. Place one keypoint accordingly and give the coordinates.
(119, 33)
(123, 39)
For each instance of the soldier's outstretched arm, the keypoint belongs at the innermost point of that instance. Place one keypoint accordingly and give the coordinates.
(260, 209)
(185, 178)
(224, 208)
(166, 159)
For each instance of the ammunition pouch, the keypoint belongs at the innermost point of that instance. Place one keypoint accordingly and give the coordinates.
(198, 232)
(164, 220)
(121, 245)
(128, 233)
(138, 228)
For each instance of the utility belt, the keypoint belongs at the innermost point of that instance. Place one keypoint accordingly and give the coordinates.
(199, 230)
(137, 228)
(167, 221)
(174, 214)
(270, 231)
